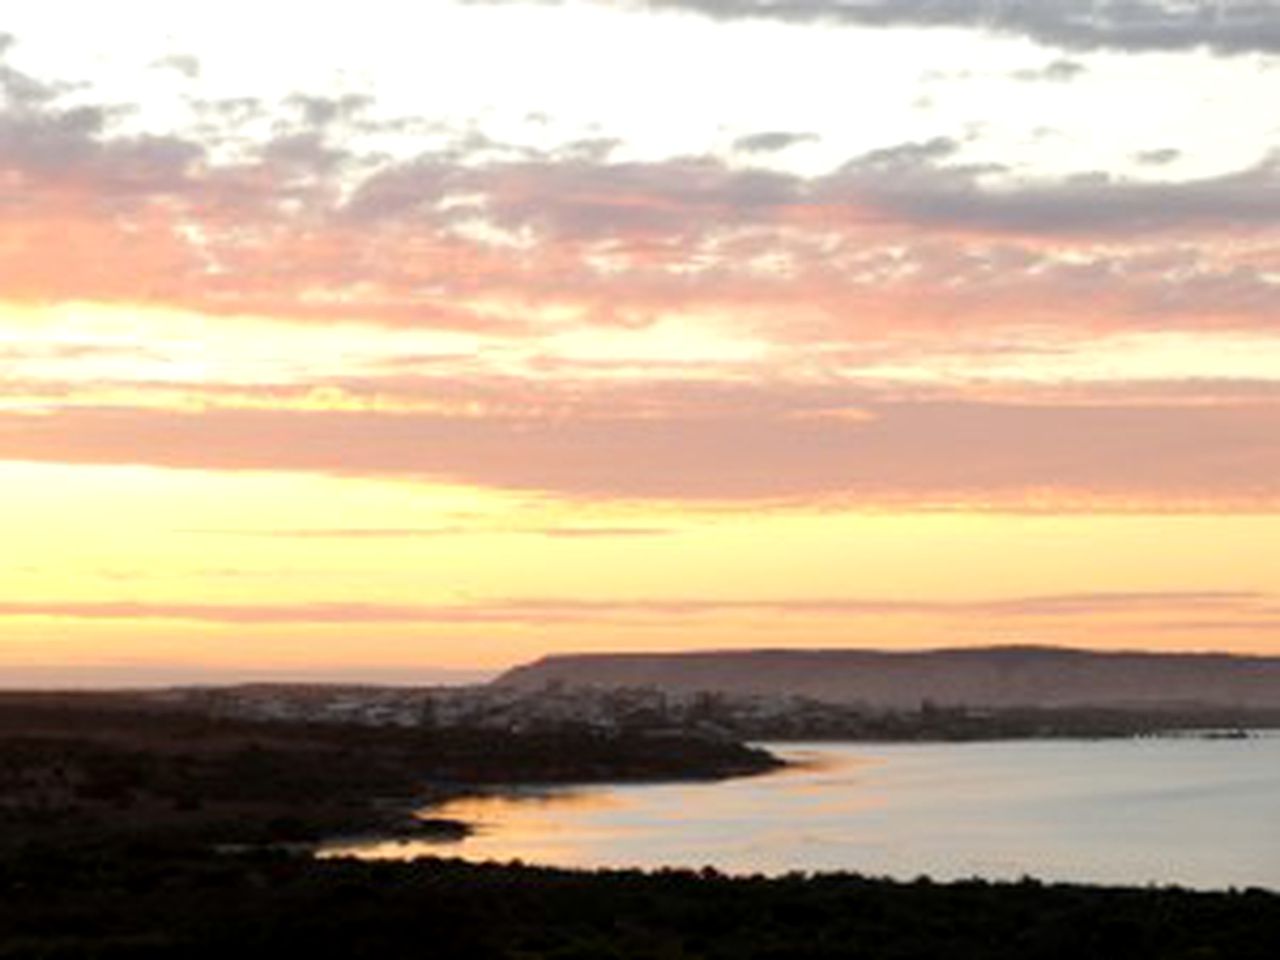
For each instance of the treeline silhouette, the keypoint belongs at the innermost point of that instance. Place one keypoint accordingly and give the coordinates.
(76, 768)
(147, 902)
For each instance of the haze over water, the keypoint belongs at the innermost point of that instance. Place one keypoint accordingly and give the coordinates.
(1192, 812)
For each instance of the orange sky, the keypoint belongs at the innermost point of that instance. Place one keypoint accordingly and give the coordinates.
(336, 362)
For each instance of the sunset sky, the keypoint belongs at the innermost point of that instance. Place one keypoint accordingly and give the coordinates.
(361, 340)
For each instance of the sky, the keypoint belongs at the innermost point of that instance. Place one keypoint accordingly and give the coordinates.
(373, 340)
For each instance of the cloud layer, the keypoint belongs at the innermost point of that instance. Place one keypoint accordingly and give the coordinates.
(477, 235)
(1258, 608)
(768, 298)
(1224, 26)
(924, 453)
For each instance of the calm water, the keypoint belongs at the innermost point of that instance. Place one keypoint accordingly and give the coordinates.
(1202, 813)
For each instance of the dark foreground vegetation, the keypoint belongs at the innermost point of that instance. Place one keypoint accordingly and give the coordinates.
(130, 833)
(145, 902)
(82, 768)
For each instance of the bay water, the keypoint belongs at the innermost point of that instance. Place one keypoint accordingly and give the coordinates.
(1201, 812)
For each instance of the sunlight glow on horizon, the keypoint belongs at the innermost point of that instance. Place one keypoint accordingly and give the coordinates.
(421, 577)
(468, 332)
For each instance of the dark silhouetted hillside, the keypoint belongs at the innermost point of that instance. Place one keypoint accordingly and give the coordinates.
(994, 677)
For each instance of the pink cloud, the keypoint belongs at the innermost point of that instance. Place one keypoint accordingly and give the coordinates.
(903, 452)
(1227, 607)
(901, 237)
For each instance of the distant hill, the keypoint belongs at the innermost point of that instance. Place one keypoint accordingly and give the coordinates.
(974, 677)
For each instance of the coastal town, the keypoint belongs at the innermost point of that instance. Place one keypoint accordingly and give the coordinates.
(510, 708)
(706, 714)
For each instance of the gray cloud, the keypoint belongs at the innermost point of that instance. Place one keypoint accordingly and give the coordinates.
(317, 111)
(1059, 71)
(182, 64)
(907, 182)
(920, 184)
(771, 141)
(43, 140)
(581, 199)
(1158, 158)
(909, 157)
(1223, 26)
(592, 150)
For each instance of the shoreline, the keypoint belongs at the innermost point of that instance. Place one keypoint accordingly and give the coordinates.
(417, 820)
(611, 826)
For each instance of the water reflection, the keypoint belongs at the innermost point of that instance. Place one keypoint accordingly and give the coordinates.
(1193, 812)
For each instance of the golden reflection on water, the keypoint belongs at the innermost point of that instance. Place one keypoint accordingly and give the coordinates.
(594, 826)
(497, 805)
(1187, 812)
